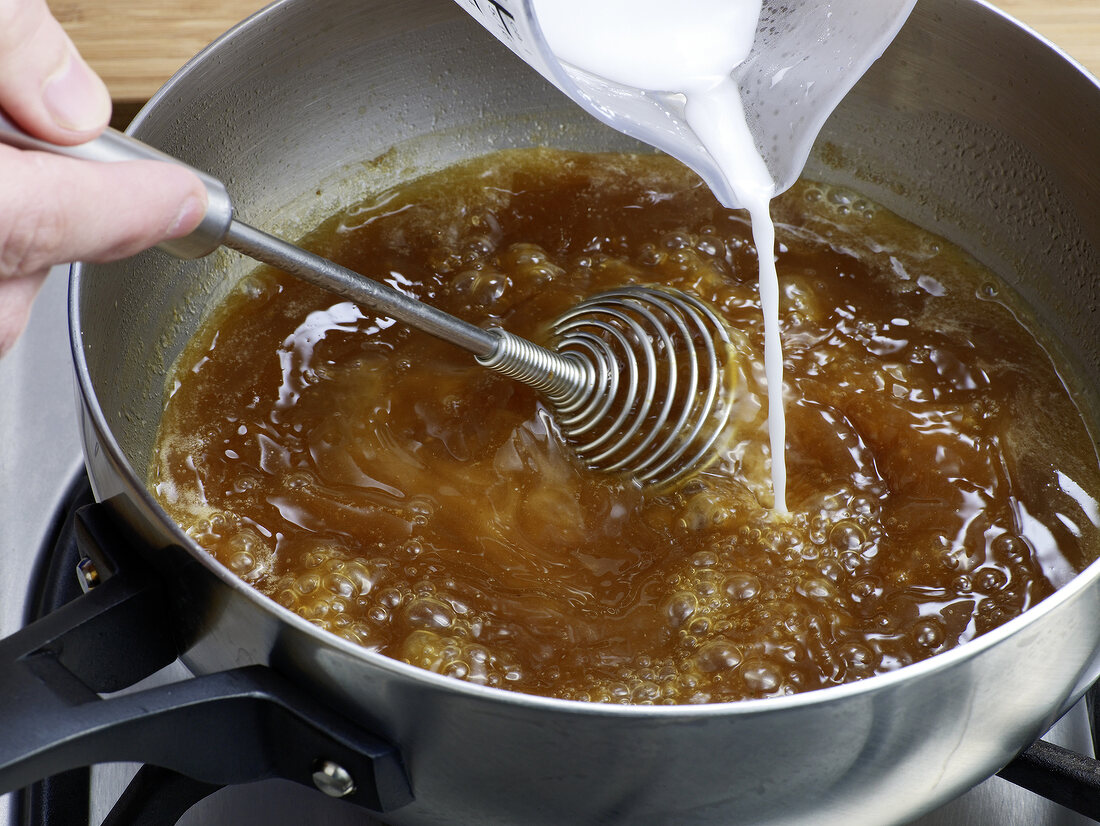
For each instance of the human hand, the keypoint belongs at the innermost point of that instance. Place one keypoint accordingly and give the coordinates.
(54, 209)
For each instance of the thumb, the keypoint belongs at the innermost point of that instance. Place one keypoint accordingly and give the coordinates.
(45, 85)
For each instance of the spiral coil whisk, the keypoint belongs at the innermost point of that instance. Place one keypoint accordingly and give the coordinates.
(638, 380)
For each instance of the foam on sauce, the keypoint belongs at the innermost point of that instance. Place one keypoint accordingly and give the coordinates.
(380, 484)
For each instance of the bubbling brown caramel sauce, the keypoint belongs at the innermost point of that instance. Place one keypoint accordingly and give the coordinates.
(383, 486)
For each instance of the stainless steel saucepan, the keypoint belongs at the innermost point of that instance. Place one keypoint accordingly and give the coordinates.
(969, 126)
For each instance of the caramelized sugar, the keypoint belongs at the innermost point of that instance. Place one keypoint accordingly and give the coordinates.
(381, 485)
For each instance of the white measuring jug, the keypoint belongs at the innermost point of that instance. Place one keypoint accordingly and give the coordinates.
(792, 62)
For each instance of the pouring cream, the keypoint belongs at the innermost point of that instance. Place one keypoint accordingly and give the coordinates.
(691, 48)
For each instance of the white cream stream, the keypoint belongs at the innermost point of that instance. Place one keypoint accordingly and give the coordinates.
(691, 47)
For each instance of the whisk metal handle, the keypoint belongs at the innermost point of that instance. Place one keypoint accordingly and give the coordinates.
(560, 377)
(358, 288)
(113, 146)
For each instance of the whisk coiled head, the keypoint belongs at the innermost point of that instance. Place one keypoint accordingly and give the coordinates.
(640, 380)
(657, 388)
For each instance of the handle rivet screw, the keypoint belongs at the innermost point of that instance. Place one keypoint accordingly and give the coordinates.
(333, 779)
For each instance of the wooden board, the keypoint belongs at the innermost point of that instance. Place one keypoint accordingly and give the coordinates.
(1072, 25)
(136, 45)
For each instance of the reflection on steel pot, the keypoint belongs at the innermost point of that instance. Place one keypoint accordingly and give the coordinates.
(968, 126)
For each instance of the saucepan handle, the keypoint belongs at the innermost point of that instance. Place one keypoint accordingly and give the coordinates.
(113, 146)
(231, 727)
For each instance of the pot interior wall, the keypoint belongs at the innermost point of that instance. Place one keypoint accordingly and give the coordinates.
(972, 128)
(964, 126)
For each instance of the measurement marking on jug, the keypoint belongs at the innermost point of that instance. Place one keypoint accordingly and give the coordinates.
(499, 11)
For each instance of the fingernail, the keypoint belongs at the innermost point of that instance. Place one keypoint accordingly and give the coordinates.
(188, 217)
(75, 96)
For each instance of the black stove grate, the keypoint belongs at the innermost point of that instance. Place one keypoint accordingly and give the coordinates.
(64, 799)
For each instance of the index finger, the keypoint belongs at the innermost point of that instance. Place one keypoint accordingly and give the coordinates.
(45, 85)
